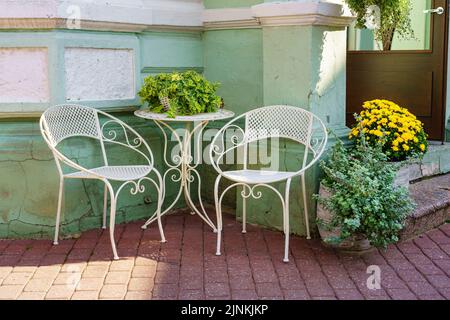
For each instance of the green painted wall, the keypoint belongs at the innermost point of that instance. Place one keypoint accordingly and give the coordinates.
(234, 58)
(301, 66)
(29, 182)
(310, 74)
(28, 174)
(163, 52)
(286, 72)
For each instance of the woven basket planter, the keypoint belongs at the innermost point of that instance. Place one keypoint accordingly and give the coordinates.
(165, 101)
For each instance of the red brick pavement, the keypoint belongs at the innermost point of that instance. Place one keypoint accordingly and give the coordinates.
(186, 267)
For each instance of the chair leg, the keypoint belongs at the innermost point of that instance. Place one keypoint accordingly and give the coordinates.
(58, 212)
(105, 206)
(286, 221)
(112, 221)
(161, 231)
(244, 215)
(305, 206)
(219, 215)
(158, 212)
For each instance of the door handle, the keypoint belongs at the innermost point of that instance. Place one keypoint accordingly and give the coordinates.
(438, 11)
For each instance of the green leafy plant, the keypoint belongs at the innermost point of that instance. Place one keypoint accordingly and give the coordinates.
(186, 93)
(363, 198)
(394, 18)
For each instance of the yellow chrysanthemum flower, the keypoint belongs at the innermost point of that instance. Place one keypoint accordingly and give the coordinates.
(398, 130)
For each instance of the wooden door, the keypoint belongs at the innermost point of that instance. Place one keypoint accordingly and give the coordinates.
(414, 78)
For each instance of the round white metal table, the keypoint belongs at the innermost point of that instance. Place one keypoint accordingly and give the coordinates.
(182, 167)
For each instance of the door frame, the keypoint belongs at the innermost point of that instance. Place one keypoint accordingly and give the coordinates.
(446, 63)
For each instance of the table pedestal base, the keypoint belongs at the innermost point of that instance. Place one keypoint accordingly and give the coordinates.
(184, 170)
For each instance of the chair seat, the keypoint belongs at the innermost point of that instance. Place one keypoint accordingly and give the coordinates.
(257, 176)
(117, 173)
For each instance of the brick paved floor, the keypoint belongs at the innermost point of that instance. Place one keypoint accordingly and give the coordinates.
(186, 267)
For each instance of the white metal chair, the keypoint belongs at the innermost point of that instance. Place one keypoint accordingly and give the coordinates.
(286, 122)
(61, 122)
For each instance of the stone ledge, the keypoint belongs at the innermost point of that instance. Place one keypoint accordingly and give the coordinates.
(275, 14)
(129, 15)
(432, 197)
(435, 162)
(91, 25)
(139, 16)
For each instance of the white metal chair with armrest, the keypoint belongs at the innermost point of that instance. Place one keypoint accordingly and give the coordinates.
(61, 122)
(286, 122)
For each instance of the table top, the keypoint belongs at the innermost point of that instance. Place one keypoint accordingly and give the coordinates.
(219, 115)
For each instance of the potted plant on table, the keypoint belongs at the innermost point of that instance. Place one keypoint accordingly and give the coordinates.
(360, 204)
(180, 94)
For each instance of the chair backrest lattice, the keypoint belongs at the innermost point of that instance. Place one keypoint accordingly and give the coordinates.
(70, 120)
(67, 121)
(279, 121)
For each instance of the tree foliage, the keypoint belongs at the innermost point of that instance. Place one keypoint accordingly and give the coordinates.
(394, 17)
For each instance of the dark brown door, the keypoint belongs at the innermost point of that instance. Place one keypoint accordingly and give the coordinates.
(412, 75)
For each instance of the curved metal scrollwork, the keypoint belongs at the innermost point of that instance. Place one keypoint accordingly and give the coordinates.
(111, 134)
(177, 158)
(318, 139)
(137, 186)
(311, 133)
(222, 145)
(249, 191)
(181, 166)
(65, 121)
(113, 129)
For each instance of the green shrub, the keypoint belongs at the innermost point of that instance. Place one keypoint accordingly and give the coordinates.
(364, 199)
(187, 93)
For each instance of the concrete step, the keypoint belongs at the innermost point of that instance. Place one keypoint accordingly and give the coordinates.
(435, 162)
(432, 196)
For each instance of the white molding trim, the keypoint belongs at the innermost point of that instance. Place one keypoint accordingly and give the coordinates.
(306, 20)
(305, 7)
(307, 12)
(170, 15)
(230, 18)
(101, 14)
(58, 23)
